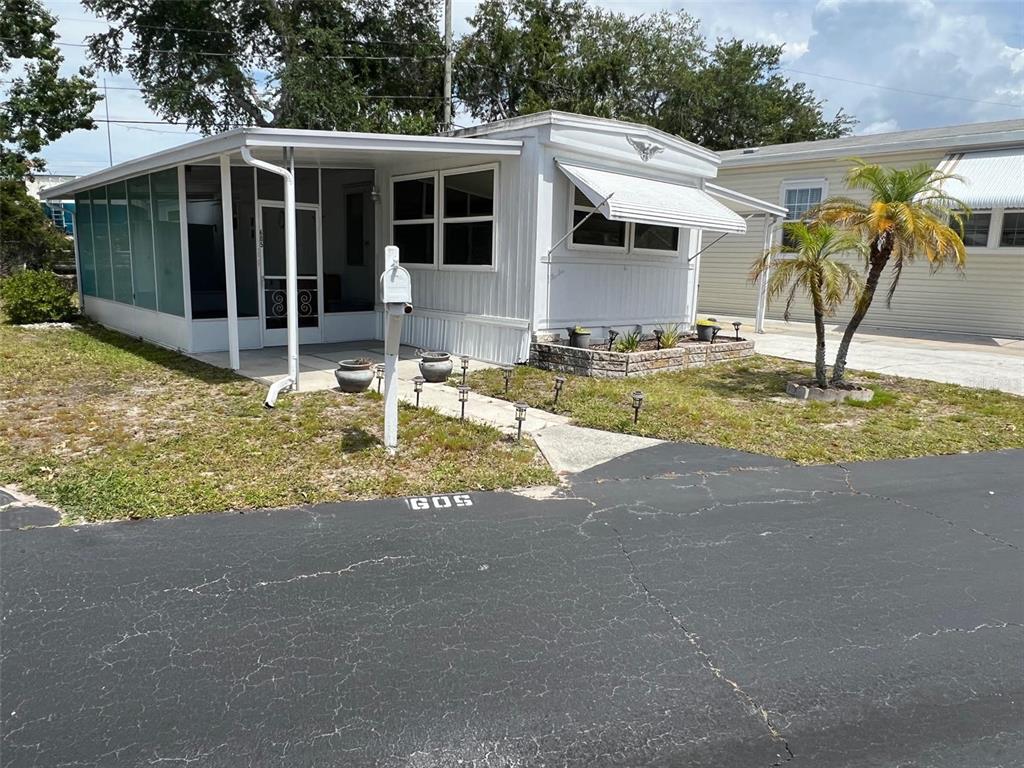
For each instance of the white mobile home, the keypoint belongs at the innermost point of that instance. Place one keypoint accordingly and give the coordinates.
(510, 230)
(987, 299)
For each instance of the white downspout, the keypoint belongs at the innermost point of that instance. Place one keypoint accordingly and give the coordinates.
(291, 381)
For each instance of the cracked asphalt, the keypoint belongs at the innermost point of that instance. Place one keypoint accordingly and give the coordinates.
(680, 606)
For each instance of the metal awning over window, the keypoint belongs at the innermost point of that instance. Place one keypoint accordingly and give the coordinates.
(991, 179)
(620, 197)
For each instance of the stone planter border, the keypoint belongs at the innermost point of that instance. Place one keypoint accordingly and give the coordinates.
(603, 363)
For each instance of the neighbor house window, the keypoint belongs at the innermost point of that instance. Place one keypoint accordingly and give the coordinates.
(1013, 230)
(799, 199)
(467, 221)
(595, 231)
(414, 209)
(975, 229)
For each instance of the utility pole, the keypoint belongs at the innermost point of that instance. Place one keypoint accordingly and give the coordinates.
(106, 106)
(447, 65)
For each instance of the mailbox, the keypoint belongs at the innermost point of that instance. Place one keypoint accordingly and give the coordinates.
(396, 282)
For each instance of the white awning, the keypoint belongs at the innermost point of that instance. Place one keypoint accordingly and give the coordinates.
(621, 197)
(991, 179)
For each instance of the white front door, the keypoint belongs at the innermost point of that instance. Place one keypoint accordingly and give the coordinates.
(273, 296)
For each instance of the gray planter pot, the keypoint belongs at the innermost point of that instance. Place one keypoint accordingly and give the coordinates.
(707, 332)
(354, 375)
(579, 340)
(435, 367)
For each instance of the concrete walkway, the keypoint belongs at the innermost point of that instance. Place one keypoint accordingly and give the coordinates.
(971, 361)
(567, 448)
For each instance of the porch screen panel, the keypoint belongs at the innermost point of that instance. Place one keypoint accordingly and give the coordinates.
(243, 207)
(307, 185)
(83, 234)
(140, 227)
(101, 244)
(208, 286)
(170, 295)
(350, 279)
(120, 242)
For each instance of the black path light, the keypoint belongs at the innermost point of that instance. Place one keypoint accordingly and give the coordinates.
(465, 366)
(657, 336)
(520, 418)
(559, 383)
(638, 401)
(506, 372)
(736, 327)
(612, 336)
(379, 372)
(463, 397)
(417, 384)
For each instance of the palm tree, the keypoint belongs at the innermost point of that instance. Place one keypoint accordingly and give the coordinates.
(907, 216)
(813, 269)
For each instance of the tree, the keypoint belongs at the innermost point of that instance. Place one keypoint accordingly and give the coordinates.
(813, 269)
(27, 237)
(908, 216)
(529, 55)
(217, 64)
(40, 105)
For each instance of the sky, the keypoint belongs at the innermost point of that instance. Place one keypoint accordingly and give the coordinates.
(893, 64)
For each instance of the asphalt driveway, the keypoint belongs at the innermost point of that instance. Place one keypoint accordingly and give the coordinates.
(681, 606)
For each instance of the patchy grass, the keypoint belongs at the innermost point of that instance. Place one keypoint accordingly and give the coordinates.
(108, 427)
(743, 405)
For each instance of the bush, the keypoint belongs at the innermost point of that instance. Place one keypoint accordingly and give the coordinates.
(33, 296)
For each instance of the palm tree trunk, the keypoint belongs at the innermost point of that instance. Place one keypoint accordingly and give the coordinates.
(879, 258)
(819, 351)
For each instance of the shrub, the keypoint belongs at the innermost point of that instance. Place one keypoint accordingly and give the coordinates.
(628, 343)
(33, 296)
(670, 336)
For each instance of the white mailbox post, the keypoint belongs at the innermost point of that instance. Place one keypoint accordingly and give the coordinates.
(396, 294)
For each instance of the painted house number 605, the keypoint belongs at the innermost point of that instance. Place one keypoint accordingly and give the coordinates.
(440, 502)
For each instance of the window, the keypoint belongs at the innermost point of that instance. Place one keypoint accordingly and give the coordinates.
(975, 229)
(1013, 230)
(83, 233)
(414, 207)
(601, 233)
(468, 220)
(799, 199)
(120, 243)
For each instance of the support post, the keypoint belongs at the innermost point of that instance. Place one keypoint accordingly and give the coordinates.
(229, 259)
(447, 65)
(762, 282)
(396, 294)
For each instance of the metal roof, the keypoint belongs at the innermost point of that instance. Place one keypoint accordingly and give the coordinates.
(266, 144)
(944, 139)
(991, 179)
(621, 197)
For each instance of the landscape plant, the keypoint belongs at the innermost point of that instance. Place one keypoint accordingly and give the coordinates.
(809, 265)
(907, 216)
(35, 296)
(628, 342)
(670, 336)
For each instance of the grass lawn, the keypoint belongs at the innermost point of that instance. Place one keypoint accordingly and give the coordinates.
(108, 427)
(743, 405)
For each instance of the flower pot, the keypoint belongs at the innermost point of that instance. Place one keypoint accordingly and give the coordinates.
(707, 332)
(435, 367)
(354, 375)
(579, 340)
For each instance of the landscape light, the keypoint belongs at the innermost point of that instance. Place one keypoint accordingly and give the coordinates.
(417, 384)
(379, 372)
(465, 366)
(559, 383)
(638, 401)
(463, 397)
(612, 336)
(520, 418)
(506, 371)
(736, 326)
(657, 336)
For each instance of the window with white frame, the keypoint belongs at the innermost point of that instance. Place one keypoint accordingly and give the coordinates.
(799, 198)
(1012, 235)
(975, 228)
(598, 232)
(467, 217)
(414, 211)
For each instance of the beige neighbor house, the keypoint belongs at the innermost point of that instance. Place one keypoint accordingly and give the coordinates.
(987, 299)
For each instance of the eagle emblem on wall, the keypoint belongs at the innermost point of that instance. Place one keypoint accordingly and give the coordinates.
(646, 149)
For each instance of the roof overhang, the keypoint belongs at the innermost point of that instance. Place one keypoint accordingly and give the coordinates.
(991, 179)
(622, 197)
(267, 143)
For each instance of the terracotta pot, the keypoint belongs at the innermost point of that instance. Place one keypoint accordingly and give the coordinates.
(435, 367)
(354, 375)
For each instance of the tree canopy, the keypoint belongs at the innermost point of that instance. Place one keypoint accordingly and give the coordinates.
(523, 56)
(215, 64)
(39, 105)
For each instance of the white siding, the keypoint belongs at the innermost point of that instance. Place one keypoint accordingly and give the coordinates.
(986, 299)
